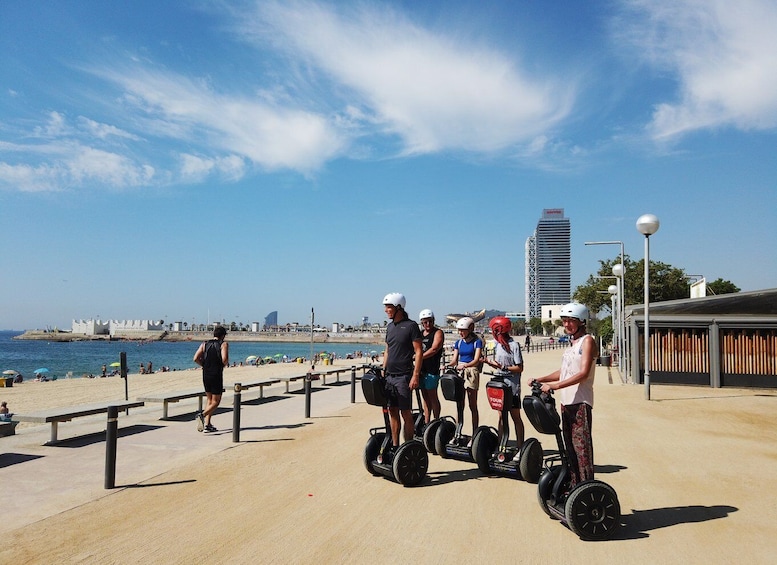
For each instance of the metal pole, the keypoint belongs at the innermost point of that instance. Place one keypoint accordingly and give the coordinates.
(111, 434)
(353, 384)
(647, 317)
(621, 315)
(123, 373)
(308, 387)
(236, 413)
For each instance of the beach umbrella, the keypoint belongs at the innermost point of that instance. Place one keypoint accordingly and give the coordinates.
(41, 370)
(10, 372)
(251, 358)
(115, 364)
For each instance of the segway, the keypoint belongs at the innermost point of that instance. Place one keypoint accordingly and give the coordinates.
(491, 452)
(449, 441)
(590, 509)
(407, 464)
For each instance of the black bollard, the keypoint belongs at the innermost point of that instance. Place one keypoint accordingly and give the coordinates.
(353, 384)
(308, 388)
(111, 434)
(236, 414)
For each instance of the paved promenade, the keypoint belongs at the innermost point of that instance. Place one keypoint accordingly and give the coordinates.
(692, 468)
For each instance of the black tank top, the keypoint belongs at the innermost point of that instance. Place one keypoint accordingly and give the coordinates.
(212, 364)
(431, 365)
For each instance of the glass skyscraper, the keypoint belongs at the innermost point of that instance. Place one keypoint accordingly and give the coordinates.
(548, 263)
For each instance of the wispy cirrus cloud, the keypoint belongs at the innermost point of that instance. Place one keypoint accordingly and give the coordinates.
(722, 55)
(433, 91)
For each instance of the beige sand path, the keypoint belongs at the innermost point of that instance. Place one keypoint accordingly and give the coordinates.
(691, 469)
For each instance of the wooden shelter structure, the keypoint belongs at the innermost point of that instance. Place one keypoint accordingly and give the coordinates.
(727, 340)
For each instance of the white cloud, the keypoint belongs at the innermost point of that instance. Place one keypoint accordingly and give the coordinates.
(195, 168)
(70, 164)
(189, 111)
(103, 131)
(723, 55)
(433, 92)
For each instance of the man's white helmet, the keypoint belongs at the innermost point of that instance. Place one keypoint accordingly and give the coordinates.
(575, 310)
(426, 313)
(465, 323)
(395, 299)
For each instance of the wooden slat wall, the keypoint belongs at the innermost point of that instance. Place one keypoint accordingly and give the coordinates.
(679, 350)
(752, 352)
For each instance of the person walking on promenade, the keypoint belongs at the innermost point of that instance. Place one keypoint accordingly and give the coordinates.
(575, 383)
(508, 363)
(212, 356)
(467, 353)
(527, 343)
(432, 342)
(402, 362)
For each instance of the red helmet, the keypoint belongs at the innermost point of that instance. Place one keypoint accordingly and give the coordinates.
(500, 325)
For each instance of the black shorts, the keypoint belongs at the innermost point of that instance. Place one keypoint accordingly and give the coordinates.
(213, 384)
(398, 391)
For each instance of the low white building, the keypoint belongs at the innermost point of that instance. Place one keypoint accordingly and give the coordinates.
(98, 327)
(90, 327)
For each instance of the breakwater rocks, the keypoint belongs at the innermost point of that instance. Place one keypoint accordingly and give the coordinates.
(291, 337)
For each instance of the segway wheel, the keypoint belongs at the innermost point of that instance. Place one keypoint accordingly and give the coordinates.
(484, 444)
(429, 433)
(530, 461)
(410, 463)
(592, 511)
(442, 438)
(371, 451)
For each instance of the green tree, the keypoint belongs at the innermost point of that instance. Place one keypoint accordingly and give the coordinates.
(547, 326)
(719, 286)
(666, 283)
(518, 327)
(536, 326)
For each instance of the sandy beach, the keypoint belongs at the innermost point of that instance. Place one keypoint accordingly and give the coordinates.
(691, 469)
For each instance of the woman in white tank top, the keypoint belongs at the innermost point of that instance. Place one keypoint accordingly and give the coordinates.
(575, 383)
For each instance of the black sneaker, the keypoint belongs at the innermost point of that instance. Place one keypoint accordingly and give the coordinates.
(200, 421)
(210, 429)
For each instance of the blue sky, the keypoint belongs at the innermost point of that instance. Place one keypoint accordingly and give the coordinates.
(195, 160)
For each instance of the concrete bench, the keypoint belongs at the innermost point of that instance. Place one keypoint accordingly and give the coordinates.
(54, 416)
(261, 384)
(8, 427)
(288, 380)
(167, 398)
(336, 373)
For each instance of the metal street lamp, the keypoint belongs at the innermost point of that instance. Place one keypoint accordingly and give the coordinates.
(647, 225)
(613, 290)
(621, 271)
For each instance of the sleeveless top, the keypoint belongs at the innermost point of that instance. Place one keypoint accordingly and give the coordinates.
(571, 363)
(431, 365)
(212, 364)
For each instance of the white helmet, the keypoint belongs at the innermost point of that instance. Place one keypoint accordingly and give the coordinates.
(465, 323)
(575, 310)
(426, 313)
(395, 299)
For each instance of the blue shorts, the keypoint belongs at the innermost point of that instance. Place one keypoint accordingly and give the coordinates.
(398, 391)
(429, 381)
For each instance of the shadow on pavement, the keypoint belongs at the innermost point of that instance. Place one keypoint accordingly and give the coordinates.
(99, 437)
(639, 522)
(8, 459)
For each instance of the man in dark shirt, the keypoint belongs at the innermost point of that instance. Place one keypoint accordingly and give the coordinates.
(402, 362)
(212, 356)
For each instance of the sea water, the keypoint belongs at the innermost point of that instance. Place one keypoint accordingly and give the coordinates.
(87, 357)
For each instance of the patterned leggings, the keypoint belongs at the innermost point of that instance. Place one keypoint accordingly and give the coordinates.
(576, 424)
